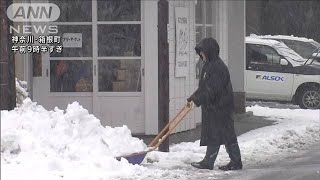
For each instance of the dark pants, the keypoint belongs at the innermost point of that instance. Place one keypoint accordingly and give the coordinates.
(212, 152)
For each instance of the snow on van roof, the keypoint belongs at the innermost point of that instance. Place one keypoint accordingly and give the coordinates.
(303, 39)
(256, 40)
(280, 47)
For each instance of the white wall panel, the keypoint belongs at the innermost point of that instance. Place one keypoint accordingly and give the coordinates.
(182, 87)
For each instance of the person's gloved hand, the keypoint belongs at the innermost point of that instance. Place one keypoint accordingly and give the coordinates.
(190, 99)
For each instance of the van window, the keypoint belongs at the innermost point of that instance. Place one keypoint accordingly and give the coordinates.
(304, 49)
(262, 54)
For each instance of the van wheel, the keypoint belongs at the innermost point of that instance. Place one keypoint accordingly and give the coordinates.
(309, 98)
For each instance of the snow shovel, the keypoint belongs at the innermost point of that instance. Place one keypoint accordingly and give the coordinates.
(137, 158)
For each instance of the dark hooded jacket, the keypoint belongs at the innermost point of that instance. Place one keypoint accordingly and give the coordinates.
(215, 96)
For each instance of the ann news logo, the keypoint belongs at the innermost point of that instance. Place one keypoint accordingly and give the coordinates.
(33, 12)
(34, 33)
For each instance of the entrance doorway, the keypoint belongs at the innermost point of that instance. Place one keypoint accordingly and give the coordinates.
(101, 65)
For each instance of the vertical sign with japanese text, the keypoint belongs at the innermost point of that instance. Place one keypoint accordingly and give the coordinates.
(182, 42)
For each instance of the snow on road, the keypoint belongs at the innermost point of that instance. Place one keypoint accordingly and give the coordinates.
(294, 131)
(71, 144)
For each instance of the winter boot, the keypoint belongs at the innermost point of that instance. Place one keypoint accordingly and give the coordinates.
(235, 156)
(231, 166)
(209, 159)
(201, 165)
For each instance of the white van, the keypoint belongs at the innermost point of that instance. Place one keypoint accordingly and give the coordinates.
(277, 73)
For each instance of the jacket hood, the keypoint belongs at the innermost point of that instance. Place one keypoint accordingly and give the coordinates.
(210, 48)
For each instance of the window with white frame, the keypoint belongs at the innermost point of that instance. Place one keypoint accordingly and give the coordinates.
(119, 46)
(118, 52)
(204, 11)
(204, 19)
(71, 70)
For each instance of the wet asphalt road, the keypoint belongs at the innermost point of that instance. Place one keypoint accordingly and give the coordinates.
(301, 166)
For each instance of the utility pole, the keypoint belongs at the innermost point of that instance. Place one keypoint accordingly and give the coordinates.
(163, 69)
(7, 68)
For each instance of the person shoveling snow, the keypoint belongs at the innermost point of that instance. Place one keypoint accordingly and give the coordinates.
(215, 96)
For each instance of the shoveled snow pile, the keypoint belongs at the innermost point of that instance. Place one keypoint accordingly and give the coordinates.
(70, 144)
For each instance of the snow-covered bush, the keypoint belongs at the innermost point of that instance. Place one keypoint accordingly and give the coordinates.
(21, 91)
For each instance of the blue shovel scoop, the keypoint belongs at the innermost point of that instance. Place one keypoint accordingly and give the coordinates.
(137, 158)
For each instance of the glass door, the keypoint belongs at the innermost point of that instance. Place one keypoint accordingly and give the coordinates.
(69, 72)
(118, 78)
(101, 64)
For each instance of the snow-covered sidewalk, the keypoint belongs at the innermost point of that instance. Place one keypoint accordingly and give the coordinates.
(71, 144)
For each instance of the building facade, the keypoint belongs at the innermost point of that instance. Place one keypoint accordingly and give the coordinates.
(109, 61)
